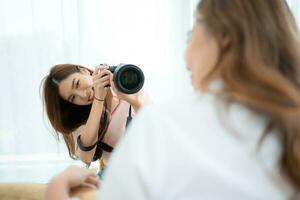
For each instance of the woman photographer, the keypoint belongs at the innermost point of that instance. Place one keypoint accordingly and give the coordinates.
(84, 110)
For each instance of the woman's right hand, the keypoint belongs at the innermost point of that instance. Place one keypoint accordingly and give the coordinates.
(75, 176)
(58, 188)
(101, 79)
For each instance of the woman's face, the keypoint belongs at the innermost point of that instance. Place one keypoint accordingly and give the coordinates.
(77, 88)
(202, 52)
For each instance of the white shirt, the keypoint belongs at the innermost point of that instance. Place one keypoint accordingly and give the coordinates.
(195, 149)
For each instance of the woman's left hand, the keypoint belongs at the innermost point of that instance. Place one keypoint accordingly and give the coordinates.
(133, 99)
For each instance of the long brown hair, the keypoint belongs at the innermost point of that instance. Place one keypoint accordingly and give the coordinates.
(260, 65)
(64, 116)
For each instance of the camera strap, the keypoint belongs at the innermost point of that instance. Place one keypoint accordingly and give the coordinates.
(102, 145)
(129, 118)
(99, 143)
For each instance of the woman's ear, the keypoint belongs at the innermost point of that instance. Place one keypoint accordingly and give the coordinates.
(225, 41)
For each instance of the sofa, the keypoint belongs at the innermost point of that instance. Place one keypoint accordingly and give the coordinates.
(37, 191)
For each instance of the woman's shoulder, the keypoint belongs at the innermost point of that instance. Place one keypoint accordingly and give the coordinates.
(202, 114)
(186, 106)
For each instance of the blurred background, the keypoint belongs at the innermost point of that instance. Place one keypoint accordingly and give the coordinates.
(37, 34)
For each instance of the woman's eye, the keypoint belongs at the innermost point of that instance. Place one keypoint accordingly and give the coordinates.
(77, 84)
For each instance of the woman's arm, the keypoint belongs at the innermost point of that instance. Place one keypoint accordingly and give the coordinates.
(57, 189)
(89, 135)
(135, 102)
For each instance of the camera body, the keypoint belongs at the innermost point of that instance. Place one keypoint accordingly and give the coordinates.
(128, 78)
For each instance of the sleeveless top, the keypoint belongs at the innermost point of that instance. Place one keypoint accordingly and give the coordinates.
(115, 130)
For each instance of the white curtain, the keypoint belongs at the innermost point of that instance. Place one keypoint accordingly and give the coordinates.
(36, 34)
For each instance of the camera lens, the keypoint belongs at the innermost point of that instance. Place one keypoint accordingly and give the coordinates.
(129, 79)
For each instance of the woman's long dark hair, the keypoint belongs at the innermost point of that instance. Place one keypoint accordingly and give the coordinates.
(64, 116)
(260, 66)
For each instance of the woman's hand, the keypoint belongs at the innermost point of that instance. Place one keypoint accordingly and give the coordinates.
(72, 177)
(101, 79)
(133, 99)
(75, 176)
